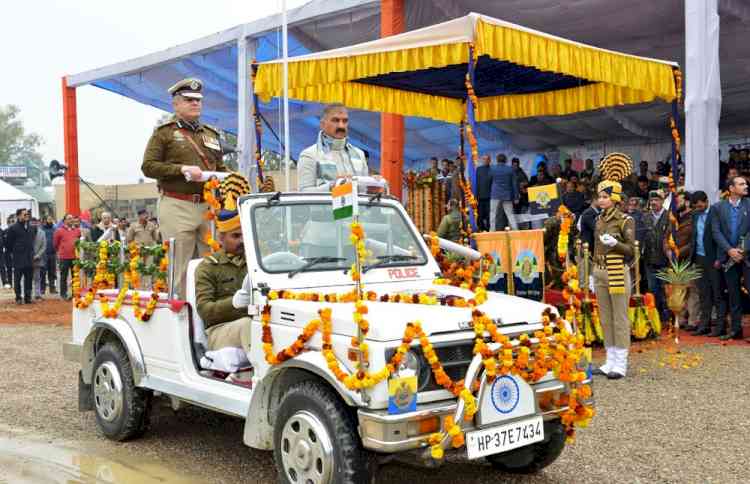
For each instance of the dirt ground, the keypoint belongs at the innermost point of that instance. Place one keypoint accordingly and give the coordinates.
(679, 417)
(50, 310)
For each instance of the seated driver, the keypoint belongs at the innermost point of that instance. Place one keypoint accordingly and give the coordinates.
(220, 299)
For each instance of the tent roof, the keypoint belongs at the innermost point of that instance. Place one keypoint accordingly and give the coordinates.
(9, 193)
(516, 72)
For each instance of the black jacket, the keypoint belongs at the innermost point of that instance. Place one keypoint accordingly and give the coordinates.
(484, 182)
(588, 225)
(19, 241)
(721, 227)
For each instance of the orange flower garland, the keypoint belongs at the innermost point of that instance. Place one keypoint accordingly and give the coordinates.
(563, 239)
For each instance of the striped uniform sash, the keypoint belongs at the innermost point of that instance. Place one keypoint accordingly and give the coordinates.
(616, 273)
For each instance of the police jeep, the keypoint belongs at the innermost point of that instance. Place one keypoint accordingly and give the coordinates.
(319, 430)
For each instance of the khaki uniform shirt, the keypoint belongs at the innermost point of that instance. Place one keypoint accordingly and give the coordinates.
(168, 150)
(143, 235)
(217, 278)
(621, 227)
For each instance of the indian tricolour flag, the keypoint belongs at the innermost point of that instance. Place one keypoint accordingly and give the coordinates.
(344, 200)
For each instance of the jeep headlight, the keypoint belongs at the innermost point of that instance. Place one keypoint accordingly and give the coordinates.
(410, 362)
(413, 363)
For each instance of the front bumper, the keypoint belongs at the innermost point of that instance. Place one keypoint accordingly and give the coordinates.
(386, 433)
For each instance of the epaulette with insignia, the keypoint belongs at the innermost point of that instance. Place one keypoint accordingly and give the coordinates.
(171, 120)
(212, 259)
(212, 128)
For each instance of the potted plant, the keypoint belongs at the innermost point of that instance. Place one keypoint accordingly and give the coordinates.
(677, 277)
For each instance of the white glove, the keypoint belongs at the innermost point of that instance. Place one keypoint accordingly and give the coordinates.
(192, 173)
(243, 297)
(608, 240)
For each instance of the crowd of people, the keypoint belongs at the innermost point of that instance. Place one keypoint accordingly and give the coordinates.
(36, 256)
(709, 236)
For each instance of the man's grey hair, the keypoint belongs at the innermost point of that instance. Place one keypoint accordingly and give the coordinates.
(329, 108)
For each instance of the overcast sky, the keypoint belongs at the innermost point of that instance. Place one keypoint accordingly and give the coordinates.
(42, 40)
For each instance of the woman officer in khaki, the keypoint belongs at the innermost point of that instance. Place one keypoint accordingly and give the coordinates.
(614, 245)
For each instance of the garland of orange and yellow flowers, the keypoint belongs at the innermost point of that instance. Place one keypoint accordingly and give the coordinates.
(209, 188)
(672, 185)
(562, 360)
(104, 279)
(584, 312)
(563, 239)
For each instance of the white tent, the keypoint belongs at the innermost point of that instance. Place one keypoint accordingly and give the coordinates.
(11, 199)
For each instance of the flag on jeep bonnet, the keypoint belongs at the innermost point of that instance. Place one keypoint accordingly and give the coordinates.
(344, 199)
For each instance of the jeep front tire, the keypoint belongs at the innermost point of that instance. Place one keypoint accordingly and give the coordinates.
(316, 440)
(121, 408)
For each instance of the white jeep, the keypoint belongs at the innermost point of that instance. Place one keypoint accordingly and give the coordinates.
(319, 430)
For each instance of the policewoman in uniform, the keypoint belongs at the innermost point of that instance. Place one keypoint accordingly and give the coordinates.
(614, 246)
(177, 154)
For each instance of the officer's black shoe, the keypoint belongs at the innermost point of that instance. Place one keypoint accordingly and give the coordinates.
(598, 372)
(19, 301)
(613, 375)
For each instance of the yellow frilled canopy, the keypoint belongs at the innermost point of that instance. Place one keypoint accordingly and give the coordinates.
(520, 73)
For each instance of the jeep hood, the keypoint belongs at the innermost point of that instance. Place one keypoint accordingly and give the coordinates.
(388, 320)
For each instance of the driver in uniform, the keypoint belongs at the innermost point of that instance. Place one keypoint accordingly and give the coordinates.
(332, 156)
(220, 280)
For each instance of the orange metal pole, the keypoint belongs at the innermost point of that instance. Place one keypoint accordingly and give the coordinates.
(392, 125)
(70, 133)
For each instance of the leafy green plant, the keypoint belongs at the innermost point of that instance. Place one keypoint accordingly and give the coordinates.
(679, 272)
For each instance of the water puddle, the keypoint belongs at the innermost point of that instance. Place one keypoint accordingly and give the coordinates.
(28, 460)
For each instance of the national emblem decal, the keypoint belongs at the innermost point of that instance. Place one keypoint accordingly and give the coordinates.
(505, 394)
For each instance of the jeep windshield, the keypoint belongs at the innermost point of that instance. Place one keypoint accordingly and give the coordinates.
(299, 236)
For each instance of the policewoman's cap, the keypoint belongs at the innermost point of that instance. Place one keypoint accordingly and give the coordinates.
(190, 87)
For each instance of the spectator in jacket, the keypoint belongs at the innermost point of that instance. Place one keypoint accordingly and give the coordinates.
(142, 231)
(49, 275)
(64, 241)
(38, 258)
(20, 240)
(450, 225)
(588, 170)
(710, 291)
(573, 199)
(657, 231)
(730, 229)
(568, 172)
(684, 239)
(483, 192)
(504, 193)
(541, 177)
(105, 229)
(520, 174)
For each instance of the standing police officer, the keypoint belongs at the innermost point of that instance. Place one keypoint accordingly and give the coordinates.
(177, 154)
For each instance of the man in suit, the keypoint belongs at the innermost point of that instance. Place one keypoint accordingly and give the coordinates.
(484, 191)
(710, 292)
(731, 232)
(20, 241)
(504, 193)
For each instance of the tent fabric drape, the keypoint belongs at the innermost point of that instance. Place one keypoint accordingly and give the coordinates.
(505, 41)
(383, 99)
(557, 103)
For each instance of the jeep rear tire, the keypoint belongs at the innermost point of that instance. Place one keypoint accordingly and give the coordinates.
(534, 457)
(121, 408)
(316, 440)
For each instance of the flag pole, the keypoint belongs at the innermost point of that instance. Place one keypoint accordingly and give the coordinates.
(285, 63)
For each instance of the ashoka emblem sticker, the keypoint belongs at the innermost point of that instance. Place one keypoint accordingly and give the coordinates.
(505, 394)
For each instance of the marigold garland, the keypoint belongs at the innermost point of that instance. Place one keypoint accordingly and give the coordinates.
(563, 239)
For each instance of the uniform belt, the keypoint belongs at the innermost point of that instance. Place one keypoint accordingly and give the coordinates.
(188, 197)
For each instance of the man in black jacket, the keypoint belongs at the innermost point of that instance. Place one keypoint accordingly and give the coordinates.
(20, 242)
(657, 226)
(484, 190)
(704, 255)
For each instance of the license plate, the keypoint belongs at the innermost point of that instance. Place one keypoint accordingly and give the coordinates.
(502, 438)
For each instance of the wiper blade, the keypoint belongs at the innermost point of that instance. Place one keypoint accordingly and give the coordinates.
(384, 259)
(313, 261)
